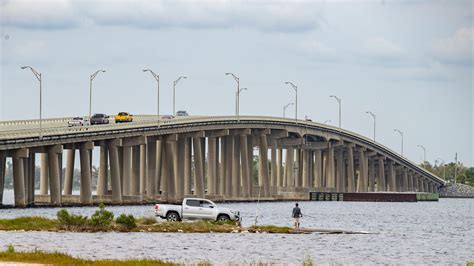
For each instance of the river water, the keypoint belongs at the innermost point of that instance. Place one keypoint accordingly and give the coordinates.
(403, 233)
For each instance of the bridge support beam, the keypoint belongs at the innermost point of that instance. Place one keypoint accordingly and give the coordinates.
(211, 166)
(126, 169)
(143, 170)
(246, 173)
(263, 166)
(229, 148)
(86, 173)
(236, 168)
(289, 167)
(362, 179)
(198, 168)
(305, 171)
(340, 170)
(280, 171)
(318, 169)
(371, 174)
(19, 178)
(381, 175)
(179, 168)
(405, 183)
(44, 174)
(112, 147)
(391, 176)
(172, 174)
(274, 168)
(151, 169)
(30, 184)
(222, 167)
(187, 166)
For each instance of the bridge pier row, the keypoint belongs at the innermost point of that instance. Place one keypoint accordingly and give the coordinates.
(236, 182)
(3, 161)
(274, 168)
(211, 166)
(19, 178)
(135, 181)
(86, 173)
(199, 189)
(44, 174)
(318, 169)
(263, 166)
(69, 175)
(112, 146)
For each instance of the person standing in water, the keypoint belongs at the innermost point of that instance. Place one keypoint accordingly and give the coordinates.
(296, 216)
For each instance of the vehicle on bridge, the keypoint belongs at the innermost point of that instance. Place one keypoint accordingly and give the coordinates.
(195, 209)
(167, 117)
(77, 122)
(182, 113)
(123, 117)
(98, 119)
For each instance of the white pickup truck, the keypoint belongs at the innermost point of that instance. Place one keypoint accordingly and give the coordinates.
(195, 208)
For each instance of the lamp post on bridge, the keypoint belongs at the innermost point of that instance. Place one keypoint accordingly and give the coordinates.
(339, 102)
(38, 77)
(296, 97)
(90, 92)
(401, 134)
(375, 120)
(284, 109)
(174, 92)
(424, 152)
(157, 78)
(237, 95)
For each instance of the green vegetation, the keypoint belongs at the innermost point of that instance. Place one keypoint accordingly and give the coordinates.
(102, 217)
(28, 224)
(62, 259)
(127, 221)
(470, 263)
(71, 221)
(465, 175)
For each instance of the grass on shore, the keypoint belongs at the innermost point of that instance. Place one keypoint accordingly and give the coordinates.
(33, 223)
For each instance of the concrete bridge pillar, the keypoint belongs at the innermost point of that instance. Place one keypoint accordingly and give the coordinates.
(172, 155)
(178, 163)
(229, 152)
(112, 147)
(143, 169)
(330, 169)
(289, 167)
(420, 184)
(381, 175)
(391, 176)
(280, 170)
(159, 179)
(371, 174)
(298, 168)
(55, 174)
(69, 176)
(30, 184)
(250, 145)
(19, 177)
(127, 169)
(246, 173)
(274, 166)
(310, 168)
(211, 166)
(340, 170)
(405, 185)
(410, 186)
(151, 152)
(135, 180)
(236, 168)
(86, 172)
(222, 167)
(318, 169)
(44, 174)
(3, 162)
(198, 168)
(263, 166)
(362, 180)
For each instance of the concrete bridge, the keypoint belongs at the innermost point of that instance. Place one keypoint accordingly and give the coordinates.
(212, 157)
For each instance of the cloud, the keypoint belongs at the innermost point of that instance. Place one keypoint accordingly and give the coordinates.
(277, 15)
(381, 48)
(457, 49)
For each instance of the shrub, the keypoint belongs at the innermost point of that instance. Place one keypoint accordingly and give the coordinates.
(127, 221)
(10, 249)
(70, 220)
(102, 217)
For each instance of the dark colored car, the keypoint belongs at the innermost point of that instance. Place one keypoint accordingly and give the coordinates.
(98, 119)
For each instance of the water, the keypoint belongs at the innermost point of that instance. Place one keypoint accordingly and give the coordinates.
(404, 233)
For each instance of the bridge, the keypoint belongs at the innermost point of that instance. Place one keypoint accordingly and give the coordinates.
(154, 159)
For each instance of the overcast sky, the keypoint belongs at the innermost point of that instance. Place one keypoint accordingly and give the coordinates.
(409, 62)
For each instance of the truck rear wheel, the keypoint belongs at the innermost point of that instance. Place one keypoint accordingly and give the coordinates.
(223, 218)
(172, 217)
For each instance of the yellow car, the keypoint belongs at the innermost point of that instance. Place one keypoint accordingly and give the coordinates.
(123, 117)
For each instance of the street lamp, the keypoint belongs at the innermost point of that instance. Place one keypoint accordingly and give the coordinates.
(284, 109)
(375, 120)
(296, 97)
(237, 94)
(339, 102)
(424, 152)
(401, 134)
(157, 78)
(174, 92)
(444, 167)
(38, 77)
(90, 92)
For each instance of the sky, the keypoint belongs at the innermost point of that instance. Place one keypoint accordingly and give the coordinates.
(409, 62)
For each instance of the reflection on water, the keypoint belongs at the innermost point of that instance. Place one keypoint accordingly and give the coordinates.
(407, 233)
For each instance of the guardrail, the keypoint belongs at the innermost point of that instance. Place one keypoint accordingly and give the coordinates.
(150, 121)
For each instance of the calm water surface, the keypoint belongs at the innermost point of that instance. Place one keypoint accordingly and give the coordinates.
(404, 233)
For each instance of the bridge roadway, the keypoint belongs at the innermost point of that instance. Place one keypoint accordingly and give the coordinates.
(149, 160)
